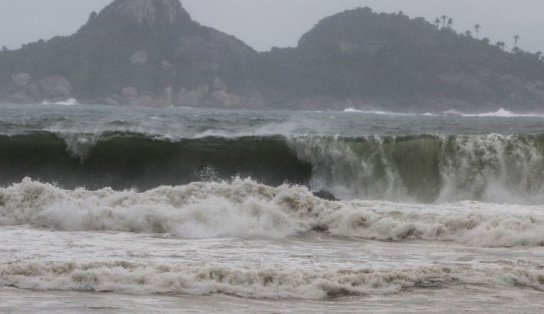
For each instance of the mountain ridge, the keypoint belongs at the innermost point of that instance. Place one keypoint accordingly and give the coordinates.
(150, 52)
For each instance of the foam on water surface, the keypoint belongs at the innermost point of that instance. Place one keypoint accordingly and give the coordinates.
(244, 208)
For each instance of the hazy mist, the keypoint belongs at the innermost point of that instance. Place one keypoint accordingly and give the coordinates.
(267, 23)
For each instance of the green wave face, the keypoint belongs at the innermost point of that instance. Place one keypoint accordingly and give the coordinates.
(424, 168)
(428, 168)
(123, 161)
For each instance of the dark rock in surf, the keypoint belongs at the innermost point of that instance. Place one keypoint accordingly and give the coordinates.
(326, 195)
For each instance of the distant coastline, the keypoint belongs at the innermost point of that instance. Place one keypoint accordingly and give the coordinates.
(151, 53)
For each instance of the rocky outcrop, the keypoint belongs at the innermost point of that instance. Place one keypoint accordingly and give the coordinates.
(22, 80)
(56, 88)
(24, 89)
(129, 93)
(139, 57)
(147, 11)
(133, 52)
(215, 94)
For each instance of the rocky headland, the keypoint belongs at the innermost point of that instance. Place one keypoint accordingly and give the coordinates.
(151, 53)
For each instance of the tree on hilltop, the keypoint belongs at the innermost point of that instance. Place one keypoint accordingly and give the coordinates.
(477, 28)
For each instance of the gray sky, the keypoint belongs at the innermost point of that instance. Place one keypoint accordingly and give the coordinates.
(266, 23)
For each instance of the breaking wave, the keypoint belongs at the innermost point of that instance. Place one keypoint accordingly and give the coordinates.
(419, 168)
(273, 282)
(243, 208)
(427, 168)
(501, 113)
(127, 160)
(385, 113)
(68, 102)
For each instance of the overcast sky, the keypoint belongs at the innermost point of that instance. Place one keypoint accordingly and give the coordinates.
(266, 23)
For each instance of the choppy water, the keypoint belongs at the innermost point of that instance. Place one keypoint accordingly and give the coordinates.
(213, 211)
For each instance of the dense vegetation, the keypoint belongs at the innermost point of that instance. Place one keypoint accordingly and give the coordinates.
(357, 57)
(174, 51)
(393, 59)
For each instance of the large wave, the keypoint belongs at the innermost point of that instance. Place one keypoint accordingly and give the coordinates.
(428, 168)
(126, 160)
(421, 168)
(244, 208)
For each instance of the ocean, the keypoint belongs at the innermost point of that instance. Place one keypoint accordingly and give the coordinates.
(147, 210)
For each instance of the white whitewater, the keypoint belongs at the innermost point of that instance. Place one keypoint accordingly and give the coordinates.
(245, 209)
(67, 102)
(501, 113)
(155, 246)
(490, 168)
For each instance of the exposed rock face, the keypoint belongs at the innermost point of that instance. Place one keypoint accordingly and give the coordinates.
(24, 89)
(141, 10)
(139, 57)
(129, 92)
(56, 88)
(146, 11)
(22, 80)
(167, 66)
(218, 84)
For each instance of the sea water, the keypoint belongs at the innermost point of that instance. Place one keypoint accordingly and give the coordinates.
(141, 210)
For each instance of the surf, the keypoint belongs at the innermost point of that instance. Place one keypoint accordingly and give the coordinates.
(244, 208)
(416, 168)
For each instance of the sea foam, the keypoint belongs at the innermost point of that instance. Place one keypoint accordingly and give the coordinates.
(501, 113)
(272, 282)
(244, 208)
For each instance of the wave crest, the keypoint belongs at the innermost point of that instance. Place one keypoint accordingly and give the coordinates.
(421, 168)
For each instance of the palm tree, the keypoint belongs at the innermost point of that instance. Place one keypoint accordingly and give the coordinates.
(450, 22)
(468, 33)
(477, 28)
(516, 40)
(444, 20)
(437, 22)
(501, 45)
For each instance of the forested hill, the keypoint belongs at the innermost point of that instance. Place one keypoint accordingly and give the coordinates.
(139, 52)
(391, 60)
(150, 52)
